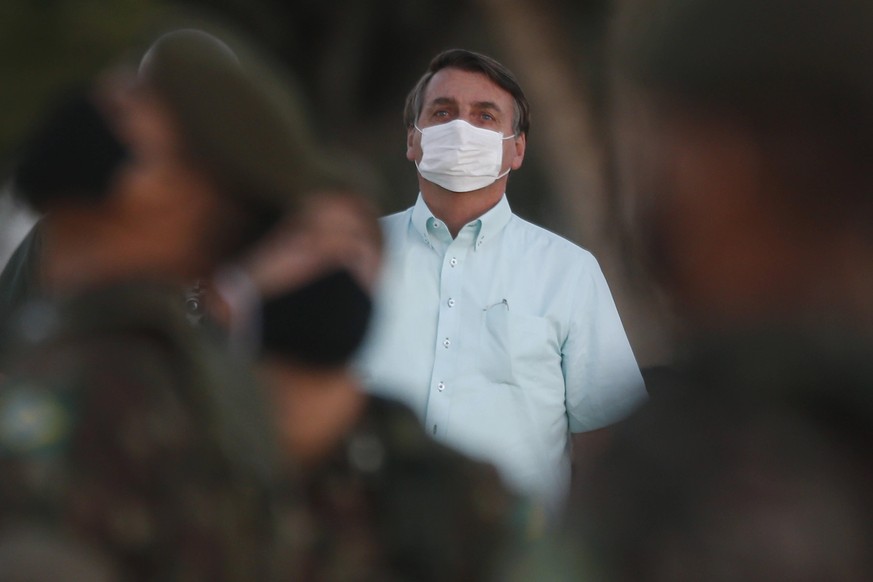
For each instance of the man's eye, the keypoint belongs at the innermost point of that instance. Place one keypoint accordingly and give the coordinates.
(442, 113)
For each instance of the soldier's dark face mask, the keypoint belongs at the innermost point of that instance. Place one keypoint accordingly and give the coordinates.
(320, 324)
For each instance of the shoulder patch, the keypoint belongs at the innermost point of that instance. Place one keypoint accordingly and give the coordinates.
(32, 420)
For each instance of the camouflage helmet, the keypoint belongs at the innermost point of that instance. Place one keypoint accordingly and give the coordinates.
(238, 116)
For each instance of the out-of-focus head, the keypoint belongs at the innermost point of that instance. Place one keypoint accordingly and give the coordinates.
(317, 276)
(171, 170)
(335, 228)
(238, 115)
(191, 158)
(744, 133)
(306, 293)
(237, 119)
(218, 140)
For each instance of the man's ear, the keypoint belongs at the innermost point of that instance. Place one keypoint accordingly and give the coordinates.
(411, 149)
(520, 144)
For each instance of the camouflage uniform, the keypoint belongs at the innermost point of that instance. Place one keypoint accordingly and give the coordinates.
(122, 427)
(391, 504)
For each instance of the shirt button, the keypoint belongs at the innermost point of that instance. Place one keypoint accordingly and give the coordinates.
(436, 224)
(446, 343)
(451, 302)
(453, 262)
(441, 386)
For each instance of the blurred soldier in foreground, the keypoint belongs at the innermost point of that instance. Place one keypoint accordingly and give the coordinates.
(749, 124)
(121, 427)
(380, 499)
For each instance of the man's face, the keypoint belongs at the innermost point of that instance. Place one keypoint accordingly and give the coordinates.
(159, 160)
(171, 202)
(456, 94)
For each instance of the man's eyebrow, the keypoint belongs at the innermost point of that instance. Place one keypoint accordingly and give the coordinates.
(452, 101)
(487, 105)
(442, 101)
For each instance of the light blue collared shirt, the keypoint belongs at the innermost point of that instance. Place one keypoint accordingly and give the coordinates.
(503, 340)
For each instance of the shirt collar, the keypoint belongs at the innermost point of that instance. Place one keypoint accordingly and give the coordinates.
(421, 214)
(487, 226)
(493, 221)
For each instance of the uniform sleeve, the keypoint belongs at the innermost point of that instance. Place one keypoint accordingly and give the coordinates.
(602, 379)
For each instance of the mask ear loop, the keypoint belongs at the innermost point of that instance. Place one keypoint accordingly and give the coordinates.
(415, 125)
(507, 169)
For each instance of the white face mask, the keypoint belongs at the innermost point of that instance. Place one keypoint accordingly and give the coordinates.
(461, 157)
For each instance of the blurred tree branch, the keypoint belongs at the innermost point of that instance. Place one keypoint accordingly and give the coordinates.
(572, 150)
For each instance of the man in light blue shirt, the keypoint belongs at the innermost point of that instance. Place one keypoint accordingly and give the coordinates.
(502, 336)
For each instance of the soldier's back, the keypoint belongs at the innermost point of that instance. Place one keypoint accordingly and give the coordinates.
(122, 426)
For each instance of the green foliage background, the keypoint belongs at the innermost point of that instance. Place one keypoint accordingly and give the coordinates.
(49, 45)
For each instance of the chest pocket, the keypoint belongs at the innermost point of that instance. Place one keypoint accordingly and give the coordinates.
(511, 344)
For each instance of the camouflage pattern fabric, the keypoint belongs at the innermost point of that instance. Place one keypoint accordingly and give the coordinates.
(122, 427)
(392, 504)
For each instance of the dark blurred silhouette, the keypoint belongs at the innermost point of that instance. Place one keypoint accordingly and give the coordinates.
(744, 131)
(122, 427)
(755, 467)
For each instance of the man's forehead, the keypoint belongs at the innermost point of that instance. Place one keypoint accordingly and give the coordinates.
(459, 86)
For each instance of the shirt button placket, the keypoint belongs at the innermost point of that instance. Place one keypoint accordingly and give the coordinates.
(446, 358)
